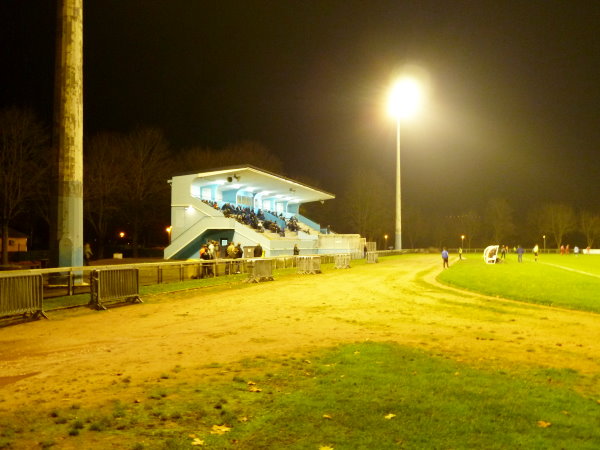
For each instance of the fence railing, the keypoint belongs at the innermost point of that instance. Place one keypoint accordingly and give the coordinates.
(23, 291)
(21, 294)
(114, 285)
(342, 261)
(309, 264)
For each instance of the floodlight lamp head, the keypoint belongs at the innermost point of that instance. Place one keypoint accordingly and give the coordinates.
(405, 98)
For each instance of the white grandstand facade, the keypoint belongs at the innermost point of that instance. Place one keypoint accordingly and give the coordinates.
(249, 206)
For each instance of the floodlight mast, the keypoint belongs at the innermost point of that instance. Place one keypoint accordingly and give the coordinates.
(404, 101)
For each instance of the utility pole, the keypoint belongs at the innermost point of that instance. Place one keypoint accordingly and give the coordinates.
(68, 134)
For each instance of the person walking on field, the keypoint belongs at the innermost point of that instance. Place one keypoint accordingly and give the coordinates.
(536, 250)
(445, 258)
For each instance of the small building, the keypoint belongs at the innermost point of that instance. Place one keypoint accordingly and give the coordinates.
(248, 206)
(17, 241)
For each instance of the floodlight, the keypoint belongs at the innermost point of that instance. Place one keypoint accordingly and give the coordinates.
(405, 98)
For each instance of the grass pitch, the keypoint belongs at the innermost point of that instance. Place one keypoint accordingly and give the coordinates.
(565, 281)
(356, 396)
(376, 357)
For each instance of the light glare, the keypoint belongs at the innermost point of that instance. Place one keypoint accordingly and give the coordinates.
(405, 98)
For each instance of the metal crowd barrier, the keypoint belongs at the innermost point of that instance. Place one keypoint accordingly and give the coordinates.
(259, 270)
(342, 261)
(372, 257)
(112, 285)
(308, 264)
(22, 294)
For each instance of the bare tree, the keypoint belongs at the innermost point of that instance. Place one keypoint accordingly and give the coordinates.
(499, 217)
(364, 207)
(104, 175)
(590, 226)
(416, 226)
(22, 145)
(557, 219)
(470, 226)
(145, 194)
(247, 152)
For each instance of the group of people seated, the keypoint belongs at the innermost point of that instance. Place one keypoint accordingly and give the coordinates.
(258, 220)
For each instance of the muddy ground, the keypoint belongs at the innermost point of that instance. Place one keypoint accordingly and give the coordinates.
(77, 355)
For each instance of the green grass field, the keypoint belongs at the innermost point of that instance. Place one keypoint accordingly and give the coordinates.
(365, 395)
(355, 396)
(564, 281)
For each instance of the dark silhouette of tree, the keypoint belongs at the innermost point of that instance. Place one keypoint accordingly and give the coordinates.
(23, 142)
(144, 193)
(590, 227)
(470, 226)
(415, 226)
(365, 210)
(247, 152)
(557, 219)
(104, 181)
(499, 218)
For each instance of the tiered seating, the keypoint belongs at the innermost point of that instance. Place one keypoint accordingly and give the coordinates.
(259, 222)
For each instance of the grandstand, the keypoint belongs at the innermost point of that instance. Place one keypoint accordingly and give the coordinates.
(248, 206)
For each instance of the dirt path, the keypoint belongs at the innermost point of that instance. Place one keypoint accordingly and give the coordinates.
(84, 356)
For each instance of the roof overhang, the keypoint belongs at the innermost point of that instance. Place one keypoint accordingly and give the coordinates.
(258, 181)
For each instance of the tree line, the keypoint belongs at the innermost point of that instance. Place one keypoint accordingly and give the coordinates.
(126, 189)
(125, 180)
(365, 205)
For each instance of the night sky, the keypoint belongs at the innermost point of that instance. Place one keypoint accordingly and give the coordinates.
(512, 108)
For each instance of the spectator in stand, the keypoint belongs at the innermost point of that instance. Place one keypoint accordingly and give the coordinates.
(258, 251)
(296, 249)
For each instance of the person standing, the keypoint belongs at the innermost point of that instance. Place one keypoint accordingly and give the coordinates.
(258, 251)
(520, 252)
(296, 250)
(460, 253)
(204, 256)
(87, 253)
(536, 250)
(445, 258)
(231, 254)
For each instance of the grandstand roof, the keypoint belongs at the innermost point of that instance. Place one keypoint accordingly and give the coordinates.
(253, 179)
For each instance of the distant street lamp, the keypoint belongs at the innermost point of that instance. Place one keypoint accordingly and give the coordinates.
(404, 101)
(544, 236)
(168, 230)
(121, 234)
(462, 241)
(385, 236)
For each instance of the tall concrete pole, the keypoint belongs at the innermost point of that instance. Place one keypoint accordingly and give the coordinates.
(398, 189)
(68, 132)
